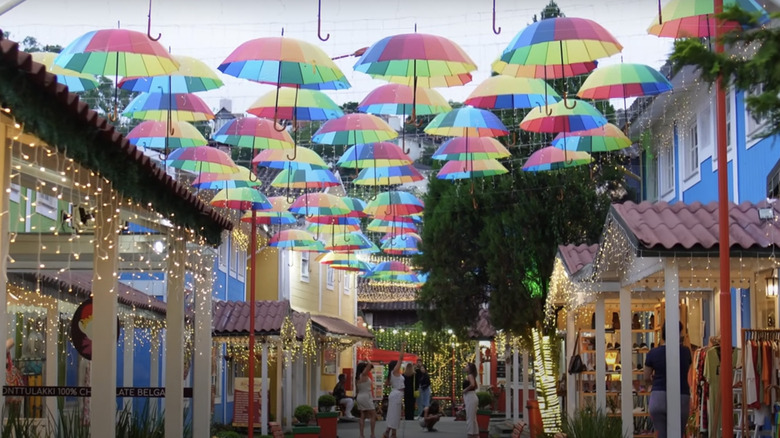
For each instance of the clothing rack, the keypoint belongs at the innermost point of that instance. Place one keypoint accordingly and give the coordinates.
(752, 335)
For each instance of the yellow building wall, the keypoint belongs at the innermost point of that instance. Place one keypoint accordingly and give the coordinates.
(267, 276)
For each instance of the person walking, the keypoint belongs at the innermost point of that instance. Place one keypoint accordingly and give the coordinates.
(424, 385)
(340, 393)
(470, 400)
(410, 386)
(655, 374)
(364, 398)
(395, 381)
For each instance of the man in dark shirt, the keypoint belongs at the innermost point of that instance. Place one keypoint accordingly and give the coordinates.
(340, 393)
(655, 374)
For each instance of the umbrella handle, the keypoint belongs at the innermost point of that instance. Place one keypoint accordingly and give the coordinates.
(514, 139)
(319, 22)
(566, 102)
(290, 200)
(496, 31)
(149, 25)
(113, 115)
(295, 153)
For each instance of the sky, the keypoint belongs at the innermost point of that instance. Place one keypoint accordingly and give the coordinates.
(210, 30)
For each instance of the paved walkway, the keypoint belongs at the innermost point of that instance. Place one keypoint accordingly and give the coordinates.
(446, 427)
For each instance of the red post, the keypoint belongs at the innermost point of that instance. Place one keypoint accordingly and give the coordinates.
(726, 390)
(251, 406)
(493, 366)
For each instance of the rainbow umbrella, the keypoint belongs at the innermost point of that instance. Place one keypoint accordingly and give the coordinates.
(507, 92)
(387, 226)
(344, 261)
(696, 18)
(602, 139)
(385, 176)
(241, 198)
(276, 215)
(181, 107)
(219, 181)
(466, 122)
(463, 148)
(391, 235)
(255, 133)
(334, 220)
(624, 80)
(117, 52)
(381, 154)
(354, 129)
(391, 267)
(562, 118)
(192, 76)
(319, 204)
(356, 205)
(201, 159)
(325, 229)
(403, 245)
(397, 99)
(155, 134)
(277, 159)
(457, 169)
(305, 178)
(352, 241)
(554, 71)
(295, 104)
(75, 81)
(552, 158)
(294, 240)
(395, 203)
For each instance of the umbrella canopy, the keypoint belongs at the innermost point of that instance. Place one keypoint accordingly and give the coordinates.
(347, 242)
(397, 99)
(456, 169)
(276, 215)
(201, 159)
(241, 198)
(602, 139)
(277, 159)
(344, 261)
(255, 133)
(319, 204)
(381, 154)
(464, 148)
(407, 57)
(155, 134)
(561, 118)
(624, 80)
(403, 245)
(508, 92)
(356, 206)
(75, 81)
(305, 179)
(353, 129)
(328, 229)
(385, 176)
(116, 52)
(288, 103)
(219, 181)
(391, 267)
(394, 202)
(334, 220)
(293, 239)
(386, 226)
(466, 122)
(182, 107)
(696, 18)
(553, 71)
(192, 76)
(552, 158)
(391, 235)
(560, 40)
(287, 62)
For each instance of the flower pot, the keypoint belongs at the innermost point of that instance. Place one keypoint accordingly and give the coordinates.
(483, 421)
(328, 423)
(306, 431)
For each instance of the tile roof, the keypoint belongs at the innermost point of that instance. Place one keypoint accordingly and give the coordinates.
(663, 226)
(576, 257)
(27, 83)
(232, 318)
(387, 305)
(338, 326)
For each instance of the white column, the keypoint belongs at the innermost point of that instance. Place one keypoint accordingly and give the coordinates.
(571, 379)
(154, 364)
(672, 286)
(174, 335)
(318, 374)
(526, 384)
(515, 385)
(737, 315)
(477, 363)
(128, 353)
(264, 389)
(626, 363)
(288, 391)
(52, 354)
(280, 387)
(201, 391)
(5, 183)
(601, 370)
(104, 323)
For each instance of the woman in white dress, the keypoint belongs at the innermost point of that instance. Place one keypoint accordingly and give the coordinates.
(470, 400)
(395, 380)
(365, 400)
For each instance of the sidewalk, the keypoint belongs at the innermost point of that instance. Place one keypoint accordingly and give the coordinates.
(446, 427)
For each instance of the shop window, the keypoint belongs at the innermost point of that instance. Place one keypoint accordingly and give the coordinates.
(304, 266)
(330, 278)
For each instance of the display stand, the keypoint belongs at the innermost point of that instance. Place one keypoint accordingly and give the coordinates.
(771, 335)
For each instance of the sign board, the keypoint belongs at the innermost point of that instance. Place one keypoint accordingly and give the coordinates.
(501, 369)
(85, 391)
(241, 401)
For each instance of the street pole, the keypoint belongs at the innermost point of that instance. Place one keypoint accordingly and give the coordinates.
(251, 402)
(726, 390)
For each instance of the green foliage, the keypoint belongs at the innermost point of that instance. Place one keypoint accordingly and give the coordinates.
(304, 414)
(589, 422)
(326, 401)
(30, 44)
(228, 434)
(146, 422)
(756, 71)
(102, 99)
(71, 425)
(17, 426)
(484, 399)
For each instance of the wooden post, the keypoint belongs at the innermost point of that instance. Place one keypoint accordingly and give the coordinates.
(601, 370)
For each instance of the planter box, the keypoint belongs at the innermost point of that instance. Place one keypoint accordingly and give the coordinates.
(328, 423)
(306, 431)
(483, 421)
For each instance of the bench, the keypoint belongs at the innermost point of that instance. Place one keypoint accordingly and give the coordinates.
(276, 430)
(518, 429)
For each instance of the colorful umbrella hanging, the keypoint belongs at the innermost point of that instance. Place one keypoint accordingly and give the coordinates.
(602, 139)
(394, 203)
(277, 159)
(295, 104)
(327, 229)
(696, 18)
(276, 215)
(382, 154)
(75, 81)
(464, 148)
(352, 129)
(305, 178)
(352, 241)
(345, 262)
(241, 198)
(622, 81)
(219, 181)
(192, 76)
(334, 220)
(555, 71)
(389, 236)
(402, 245)
(116, 52)
(391, 268)
(201, 159)
(296, 240)
(457, 169)
(255, 133)
(507, 92)
(562, 118)
(181, 107)
(552, 158)
(388, 176)
(386, 226)
(319, 204)
(155, 134)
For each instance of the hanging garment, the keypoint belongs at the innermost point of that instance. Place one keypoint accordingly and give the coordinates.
(749, 380)
(711, 368)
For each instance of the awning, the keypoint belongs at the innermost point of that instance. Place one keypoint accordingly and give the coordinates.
(384, 356)
(339, 327)
(231, 318)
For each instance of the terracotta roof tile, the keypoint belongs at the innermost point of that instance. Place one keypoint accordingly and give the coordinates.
(576, 257)
(338, 326)
(664, 226)
(232, 317)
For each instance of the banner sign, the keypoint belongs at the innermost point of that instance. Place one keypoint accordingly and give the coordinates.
(84, 391)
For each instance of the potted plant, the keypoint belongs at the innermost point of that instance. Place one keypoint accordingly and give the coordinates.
(484, 405)
(304, 414)
(327, 418)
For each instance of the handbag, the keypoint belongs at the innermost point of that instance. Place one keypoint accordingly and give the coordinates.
(576, 365)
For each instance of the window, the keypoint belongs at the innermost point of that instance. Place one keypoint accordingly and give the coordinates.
(753, 126)
(305, 266)
(233, 262)
(240, 256)
(224, 250)
(230, 378)
(728, 119)
(15, 191)
(665, 170)
(330, 277)
(46, 205)
(347, 282)
(216, 372)
(692, 151)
